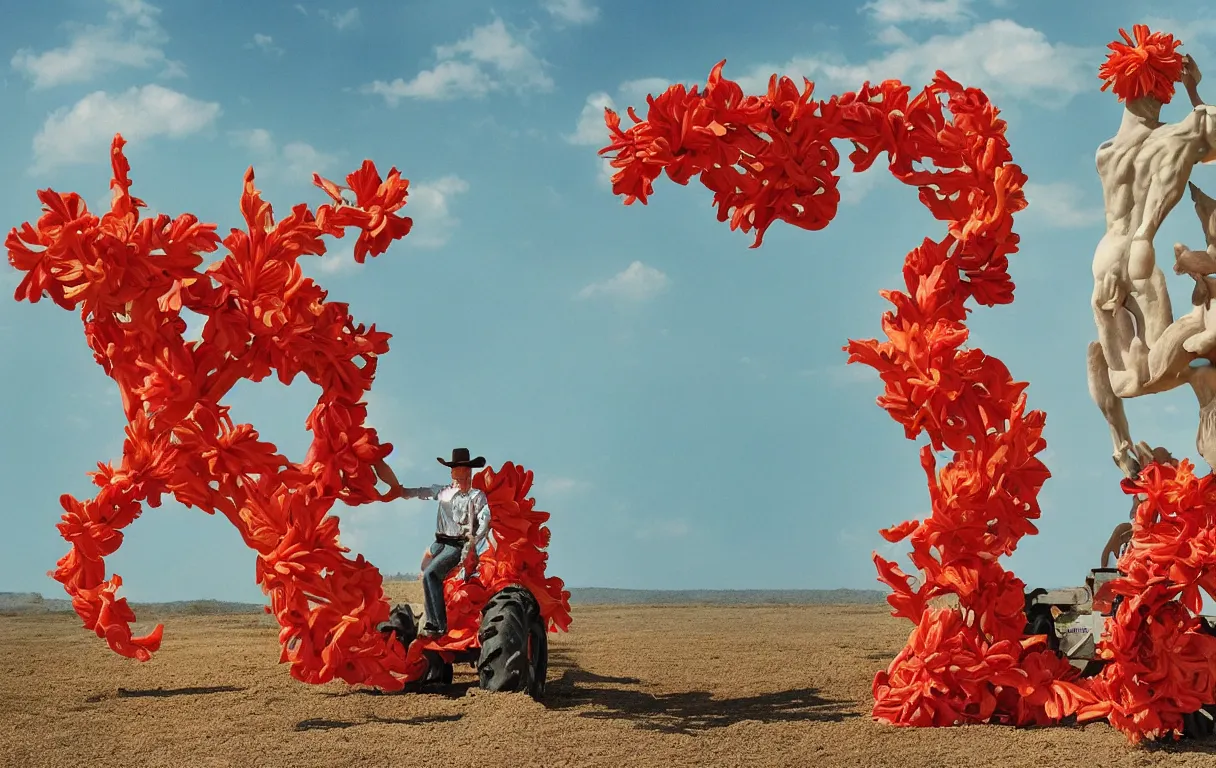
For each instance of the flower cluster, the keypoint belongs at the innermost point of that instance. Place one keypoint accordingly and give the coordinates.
(130, 277)
(1149, 65)
(1161, 657)
(769, 158)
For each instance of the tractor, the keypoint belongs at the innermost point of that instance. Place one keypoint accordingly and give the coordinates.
(1074, 619)
(512, 650)
(499, 620)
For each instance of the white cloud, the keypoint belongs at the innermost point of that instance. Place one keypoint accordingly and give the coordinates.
(854, 187)
(591, 130)
(902, 11)
(129, 37)
(82, 132)
(637, 283)
(489, 59)
(448, 80)
(1004, 58)
(293, 163)
(257, 140)
(894, 36)
(301, 161)
(492, 44)
(341, 21)
(1060, 205)
(339, 257)
(264, 43)
(572, 11)
(606, 172)
(429, 205)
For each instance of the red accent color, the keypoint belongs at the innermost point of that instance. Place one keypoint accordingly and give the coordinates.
(130, 278)
(1149, 65)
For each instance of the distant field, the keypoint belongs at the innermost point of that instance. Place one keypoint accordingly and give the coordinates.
(405, 590)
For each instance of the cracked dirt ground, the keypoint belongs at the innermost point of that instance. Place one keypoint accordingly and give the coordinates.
(629, 686)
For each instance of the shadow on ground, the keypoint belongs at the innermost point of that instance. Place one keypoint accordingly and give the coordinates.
(157, 693)
(625, 698)
(456, 690)
(319, 724)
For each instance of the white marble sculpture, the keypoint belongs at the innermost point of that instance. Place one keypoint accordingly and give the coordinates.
(1141, 349)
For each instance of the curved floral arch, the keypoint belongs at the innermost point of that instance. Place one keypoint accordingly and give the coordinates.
(770, 158)
(130, 277)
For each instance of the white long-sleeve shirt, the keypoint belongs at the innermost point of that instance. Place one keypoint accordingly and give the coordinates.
(457, 509)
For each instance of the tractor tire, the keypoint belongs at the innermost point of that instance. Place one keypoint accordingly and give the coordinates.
(514, 645)
(438, 671)
(539, 637)
(401, 622)
(1039, 621)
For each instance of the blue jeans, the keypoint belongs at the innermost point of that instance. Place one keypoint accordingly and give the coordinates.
(444, 559)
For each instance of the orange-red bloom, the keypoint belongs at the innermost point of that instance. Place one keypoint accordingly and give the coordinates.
(1149, 65)
(131, 278)
(769, 158)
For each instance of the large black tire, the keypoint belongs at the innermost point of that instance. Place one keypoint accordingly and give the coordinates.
(1039, 620)
(438, 671)
(539, 652)
(402, 623)
(514, 644)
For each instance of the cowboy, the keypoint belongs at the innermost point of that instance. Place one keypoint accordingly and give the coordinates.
(461, 526)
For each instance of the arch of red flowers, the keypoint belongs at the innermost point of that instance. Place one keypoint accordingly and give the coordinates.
(770, 158)
(130, 277)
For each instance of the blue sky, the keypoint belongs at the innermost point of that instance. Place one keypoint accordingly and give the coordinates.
(682, 399)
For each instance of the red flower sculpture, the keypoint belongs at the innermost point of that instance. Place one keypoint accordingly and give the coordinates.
(1161, 659)
(130, 278)
(769, 158)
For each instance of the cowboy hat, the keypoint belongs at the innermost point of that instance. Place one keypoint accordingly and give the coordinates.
(460, 458)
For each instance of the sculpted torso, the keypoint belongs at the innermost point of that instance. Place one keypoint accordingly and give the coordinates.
(1143, 154)
(1144, 170)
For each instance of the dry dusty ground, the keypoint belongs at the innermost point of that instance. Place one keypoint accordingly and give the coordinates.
(629, 686)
